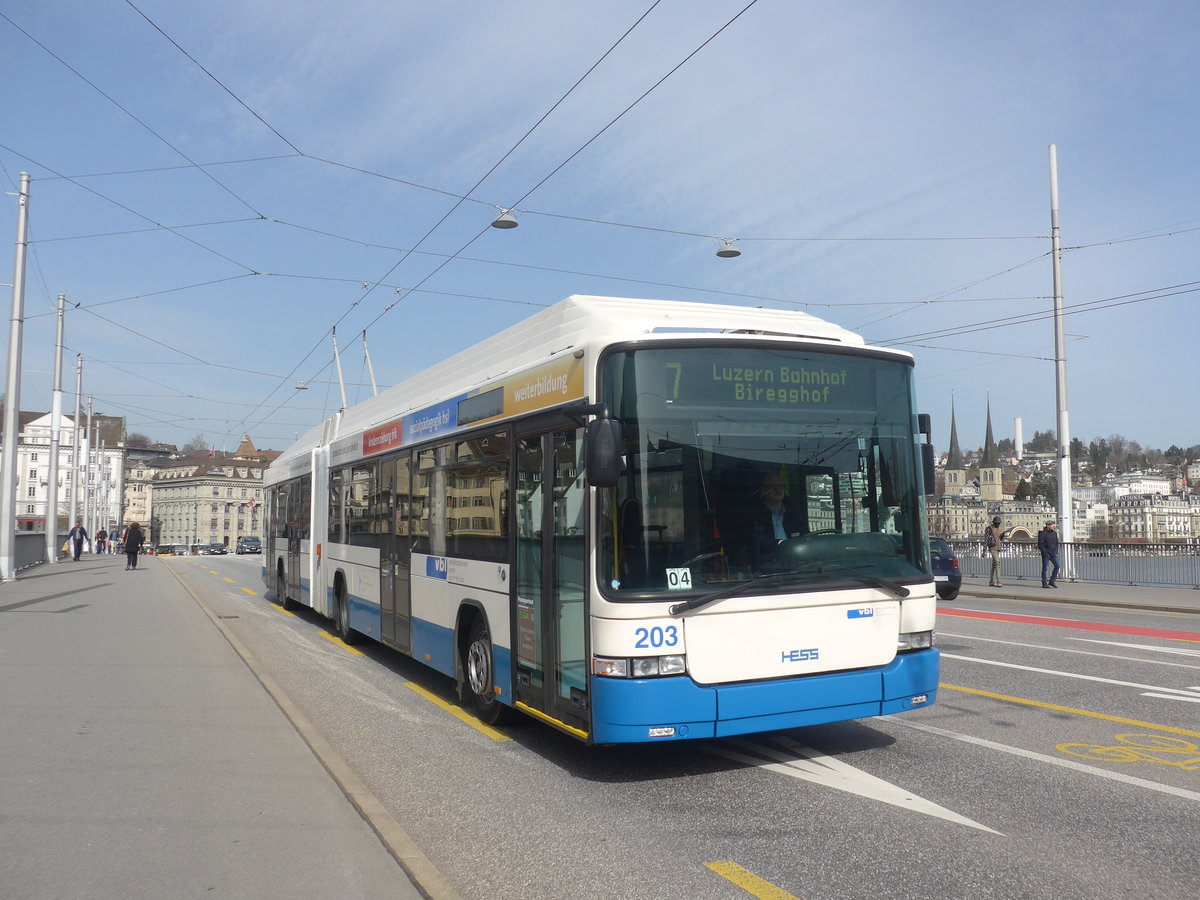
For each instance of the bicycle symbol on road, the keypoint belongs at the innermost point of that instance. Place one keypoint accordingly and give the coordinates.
(1153, 748)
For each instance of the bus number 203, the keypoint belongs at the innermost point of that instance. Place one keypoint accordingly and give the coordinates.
(656, 637)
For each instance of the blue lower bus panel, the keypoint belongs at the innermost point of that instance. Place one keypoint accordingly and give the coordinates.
(636, 711)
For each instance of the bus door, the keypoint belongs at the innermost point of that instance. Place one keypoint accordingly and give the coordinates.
(549, 584)
(395, 553)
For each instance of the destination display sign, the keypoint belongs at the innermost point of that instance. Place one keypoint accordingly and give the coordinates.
(767, 378)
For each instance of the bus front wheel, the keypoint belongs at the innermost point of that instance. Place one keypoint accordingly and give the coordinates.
(342, 617)
(281, 590)
(481, 677)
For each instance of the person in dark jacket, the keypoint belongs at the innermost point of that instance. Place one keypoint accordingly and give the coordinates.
(993, 541)
(1048, 546)
(133, 545)
(77, 536)
(758, 520)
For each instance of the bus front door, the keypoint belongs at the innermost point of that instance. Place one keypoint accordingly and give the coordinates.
(550, 625)
(395, 554)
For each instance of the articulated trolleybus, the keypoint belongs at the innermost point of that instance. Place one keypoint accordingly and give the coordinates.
(635, 520)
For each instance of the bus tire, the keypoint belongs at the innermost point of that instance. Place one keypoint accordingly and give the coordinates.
(478, 667)
(281, 590)
(341, 615)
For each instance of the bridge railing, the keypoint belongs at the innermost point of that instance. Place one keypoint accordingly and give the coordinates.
(1172, 565)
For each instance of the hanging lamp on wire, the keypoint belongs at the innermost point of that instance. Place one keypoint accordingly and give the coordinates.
(505, 219)
(727, 250)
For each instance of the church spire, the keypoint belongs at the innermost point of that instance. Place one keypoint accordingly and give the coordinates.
(954, 457)
(991, 456)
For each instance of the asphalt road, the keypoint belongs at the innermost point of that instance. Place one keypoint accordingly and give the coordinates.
(1061, 760)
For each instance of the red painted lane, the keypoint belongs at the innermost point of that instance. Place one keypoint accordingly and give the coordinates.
(1072, 623)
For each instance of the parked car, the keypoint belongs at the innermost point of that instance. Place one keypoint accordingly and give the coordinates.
(947, 576)
(248, 545)
(216, 550)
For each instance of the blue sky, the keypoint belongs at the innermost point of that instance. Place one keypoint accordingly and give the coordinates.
(880, 164)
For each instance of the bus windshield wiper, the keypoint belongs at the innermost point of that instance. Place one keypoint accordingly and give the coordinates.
(875, 581)
(782, 577)
(705, 599)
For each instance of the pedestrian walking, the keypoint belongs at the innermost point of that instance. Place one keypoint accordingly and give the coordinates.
(1048, 546)
(77, 536)
(133, 544)
(993, 537)
(101, 541)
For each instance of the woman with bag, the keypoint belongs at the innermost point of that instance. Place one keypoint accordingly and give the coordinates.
(133, 544)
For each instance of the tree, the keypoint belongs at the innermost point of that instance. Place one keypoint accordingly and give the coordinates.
(1022, 491)
(138, 441)
(1043, 442)
(195, 445)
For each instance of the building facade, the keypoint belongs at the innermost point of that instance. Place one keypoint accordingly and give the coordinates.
(100, 475)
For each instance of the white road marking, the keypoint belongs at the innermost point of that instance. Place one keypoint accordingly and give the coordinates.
(798, 761)
(1133, 684)
(1052, 760)
(1191, 699)
(1155, 662)
(1178, 651)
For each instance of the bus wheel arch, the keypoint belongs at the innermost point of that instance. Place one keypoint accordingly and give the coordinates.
(476, 667)
(341, 611)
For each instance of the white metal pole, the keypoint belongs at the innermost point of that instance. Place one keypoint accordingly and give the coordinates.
(87, 474)
(1065, 513)
(77, 459)
(12, 402)
(338, 360)
(56, 399)
(370, 368)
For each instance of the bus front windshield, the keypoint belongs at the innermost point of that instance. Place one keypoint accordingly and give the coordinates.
(754, 460)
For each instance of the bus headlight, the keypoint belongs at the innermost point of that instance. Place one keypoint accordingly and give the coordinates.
(915, 640)
(639, 666)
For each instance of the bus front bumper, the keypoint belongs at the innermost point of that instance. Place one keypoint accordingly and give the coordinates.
(677, 708)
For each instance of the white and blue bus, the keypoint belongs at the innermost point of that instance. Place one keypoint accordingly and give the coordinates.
(635, 520)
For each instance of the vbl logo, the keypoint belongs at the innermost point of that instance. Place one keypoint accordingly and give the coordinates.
(436, 567)
(800, 655)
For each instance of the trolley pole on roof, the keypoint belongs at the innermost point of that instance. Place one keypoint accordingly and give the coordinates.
(337, 358)
(12, 397)
(370, 368)
(1065, 513)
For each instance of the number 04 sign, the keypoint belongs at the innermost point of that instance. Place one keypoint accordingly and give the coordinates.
(679, 579)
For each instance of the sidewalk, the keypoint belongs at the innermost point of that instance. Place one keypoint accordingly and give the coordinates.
(1156, 599)
(141, 757)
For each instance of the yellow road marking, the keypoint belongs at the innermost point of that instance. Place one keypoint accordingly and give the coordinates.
(250, 592)
(748, 881)
(1070, 709)
(230, 580)
(333, 638)
(459, 714)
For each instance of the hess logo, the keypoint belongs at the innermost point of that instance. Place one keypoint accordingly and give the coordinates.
(792, 656)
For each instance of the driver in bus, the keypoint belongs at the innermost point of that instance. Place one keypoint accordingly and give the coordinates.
(752, 533)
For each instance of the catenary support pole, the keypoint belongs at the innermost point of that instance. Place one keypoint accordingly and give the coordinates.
(76, 458)
(56, 399)
(12, 398)
(1065, 513)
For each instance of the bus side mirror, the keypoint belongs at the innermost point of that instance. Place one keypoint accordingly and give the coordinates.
(604, 444)
(925, 426)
